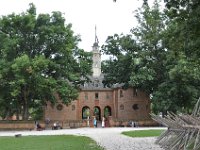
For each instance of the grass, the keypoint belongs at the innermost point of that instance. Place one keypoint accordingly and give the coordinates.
(143, 133)
(54, 142)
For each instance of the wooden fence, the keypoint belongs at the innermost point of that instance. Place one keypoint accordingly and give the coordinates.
(183, 130)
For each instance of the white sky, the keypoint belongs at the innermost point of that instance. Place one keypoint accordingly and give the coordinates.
(109, 17)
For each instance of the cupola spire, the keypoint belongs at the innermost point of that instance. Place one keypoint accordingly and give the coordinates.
(96, 67)
(96, 41)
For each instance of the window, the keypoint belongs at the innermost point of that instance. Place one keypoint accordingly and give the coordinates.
(96, 95)
(121, 107)
(73, 107)
(121, 93)
(107, 96)
(86, 96)
(135, 107)
(59, 107)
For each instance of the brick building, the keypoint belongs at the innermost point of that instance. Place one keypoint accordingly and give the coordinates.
(118, 105)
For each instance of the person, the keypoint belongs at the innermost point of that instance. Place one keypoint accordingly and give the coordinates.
(47, 121)
(58, 125)
(38, 126)
(55, 126)
(88, 121)
(95, 122)
(103, 122)
(132, 124)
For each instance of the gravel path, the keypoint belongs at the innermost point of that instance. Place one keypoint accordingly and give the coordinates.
(112, 139)
(109, 138)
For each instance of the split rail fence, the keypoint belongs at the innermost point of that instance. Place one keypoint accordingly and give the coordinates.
(183, 131)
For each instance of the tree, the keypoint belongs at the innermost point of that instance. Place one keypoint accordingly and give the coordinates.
(148, 67)
(39, 60)
(182, 42)
(139, 56)
(118, 68)
(163, 56)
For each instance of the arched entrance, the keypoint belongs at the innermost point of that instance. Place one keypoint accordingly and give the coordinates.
(85, 112)
(107, 111)
(97, 113)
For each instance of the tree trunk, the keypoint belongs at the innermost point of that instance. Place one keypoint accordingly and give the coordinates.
(25, 115)
(17, 106)
(17, 114)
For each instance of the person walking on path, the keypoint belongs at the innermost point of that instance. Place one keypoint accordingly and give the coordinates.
(103, 122)
(95, 122)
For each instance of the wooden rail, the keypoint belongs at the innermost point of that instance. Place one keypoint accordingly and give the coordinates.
(183, 130)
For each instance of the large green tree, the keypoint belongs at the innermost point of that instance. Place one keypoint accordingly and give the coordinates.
(163, 55)
(143, 50)
(118, 68)
(182, 42)
(39, 59)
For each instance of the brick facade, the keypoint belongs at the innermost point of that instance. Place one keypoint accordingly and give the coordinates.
(125, 104)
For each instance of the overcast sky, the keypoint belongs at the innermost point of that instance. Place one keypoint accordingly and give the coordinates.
(109, 17)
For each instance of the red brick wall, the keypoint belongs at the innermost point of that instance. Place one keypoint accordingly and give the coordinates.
(66, 113)
(109, 98)
(19, 125)
(128, 99)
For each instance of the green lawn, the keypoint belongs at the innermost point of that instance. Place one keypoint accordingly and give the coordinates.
(143, 133)
(54, 142)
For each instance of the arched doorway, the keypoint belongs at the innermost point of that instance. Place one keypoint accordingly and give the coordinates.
(97, 113)
(85, 112)
(107, 111)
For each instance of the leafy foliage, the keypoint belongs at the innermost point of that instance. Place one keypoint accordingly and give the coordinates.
(160, 56)
(39, 58)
